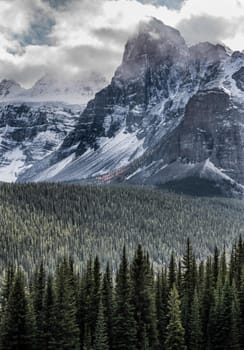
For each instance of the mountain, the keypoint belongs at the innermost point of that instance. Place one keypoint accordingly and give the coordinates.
(171, 116)
(171, 113)
(9, 89)
(123, 120)
(35, 121)
(53, 88)
(30, 132)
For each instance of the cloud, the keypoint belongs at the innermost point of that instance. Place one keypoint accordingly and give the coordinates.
(26, 74)
(75, 36)
(171, 4)
(110, 35)
(208, 28)
(86, 58)
(29, 22)
(57, 3)
(38, 32)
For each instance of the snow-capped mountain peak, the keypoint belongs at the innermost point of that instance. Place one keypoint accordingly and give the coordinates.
(171, 113)
(69, 90)
(35, 121)
(9, 88)
(53, 88)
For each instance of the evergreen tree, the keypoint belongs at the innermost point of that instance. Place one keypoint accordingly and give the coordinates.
(235, 332)
(16, 330)
(86, 307)
(241, 300)
(172, 271)
(49, 319)
(95, 296)
(162, 313)
(195, 330)
(124, 323)
(67, 326)
(107, 299)
(45, 314)
(188, 288)
(239, 262)
(233, 264)
(223, 266)
(207, 301)
(38, 302)
(179, 278)
(7, 285)
(101, 335)
(87, 340)
(201, 275)
(175, 331)
(143, 300)
(220, 323)
(215, 266)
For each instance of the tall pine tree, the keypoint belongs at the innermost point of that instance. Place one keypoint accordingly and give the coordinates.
(175, 331)
(124, 322)
(17, 326)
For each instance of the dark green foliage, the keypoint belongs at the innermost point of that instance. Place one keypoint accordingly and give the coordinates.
(236, 321)
(241, 300)
(47, 220)
(215, 266)
(16, 328)
(7, 285)
(195, 326)
(162, 305)
(172, 272)
(67, 331)
(49, 317)
(143, 301)
(96, 295)
(101, 335)
(220, 317)
(132, 309)
(124, 322)
(207, 300)
(38, 304)
(175, 331)
(188, 285)
(108, 304)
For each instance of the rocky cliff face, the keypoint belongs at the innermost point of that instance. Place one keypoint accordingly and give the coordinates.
(29, 133)
(171, 112)
(34, 122)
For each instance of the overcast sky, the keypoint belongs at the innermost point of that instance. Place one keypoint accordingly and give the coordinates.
(74, 37)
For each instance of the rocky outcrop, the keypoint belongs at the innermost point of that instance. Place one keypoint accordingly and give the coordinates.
(239, 78)
(29, 133)
(171, 112)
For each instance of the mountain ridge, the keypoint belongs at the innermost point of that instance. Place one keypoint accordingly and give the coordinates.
(168, 107)
(53, 88)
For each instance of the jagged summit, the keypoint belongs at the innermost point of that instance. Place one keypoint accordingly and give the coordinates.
(67, 89)
(171, 113)
(9, 87)
(153, 43)
(53, 88)
(155, 29)
(210, 52)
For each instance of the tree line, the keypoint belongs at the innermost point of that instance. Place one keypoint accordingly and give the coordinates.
(185, 305)
(48, 220)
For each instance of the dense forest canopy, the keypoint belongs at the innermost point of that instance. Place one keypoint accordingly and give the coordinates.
(46, 221)
(184, 305)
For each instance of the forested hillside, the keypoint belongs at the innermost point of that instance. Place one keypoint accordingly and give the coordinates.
(46, 221)
(186, 305)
